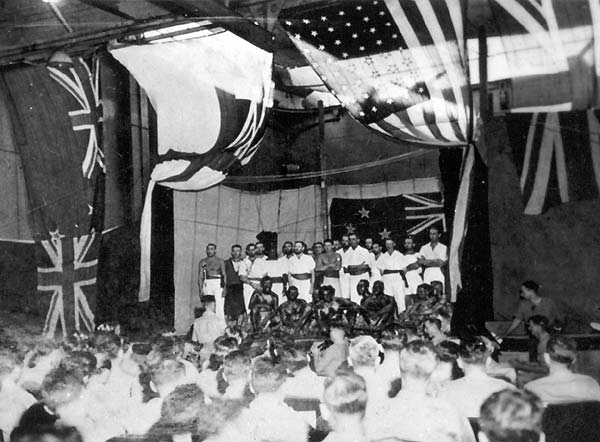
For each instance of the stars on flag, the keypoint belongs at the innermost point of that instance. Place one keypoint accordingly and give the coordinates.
(364, 213)
(385, 233)
(350, 228)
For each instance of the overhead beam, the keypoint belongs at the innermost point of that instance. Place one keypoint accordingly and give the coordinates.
(218, 13)
(106, 6)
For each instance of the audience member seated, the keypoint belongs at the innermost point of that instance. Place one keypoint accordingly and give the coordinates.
(38, 363)
(468, 393)
(423, 418)
(235, 370)
(511, 416)
(302, 382)
(329, 355)
(562, 385)
(345, 399)
(536, 366)
(209, 326)
(389, 369)
(364, 357)
(207, 380)
(267, 418)
(432, 328)
(46, 434)
(447, 368)
(14, 400)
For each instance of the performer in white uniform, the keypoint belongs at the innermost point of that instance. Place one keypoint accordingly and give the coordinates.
(301, 272)
(276, 268)
(433, 257)
(377, 255)
(413, 269)
(357, 263)
(392, 266)
(211, 278)
(344, 278)
(251, 272)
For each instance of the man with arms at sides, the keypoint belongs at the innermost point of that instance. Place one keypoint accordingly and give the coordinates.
(433, 257)
(317, 250)
(329, 264)
(344, 278)
(287, 252)
(276, 268)
(511, 415)
(424, 418)
(357, 263)
(259, 250)
(301, 272)
(469, 392)
(533, 304)
(377, 255)
(211, 278)
(262, 304)
(413, 269)
(392, 266)
(251, 272)
(562, 385)
(235, 308)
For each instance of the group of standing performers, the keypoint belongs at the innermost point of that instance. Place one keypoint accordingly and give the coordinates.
(328, 283)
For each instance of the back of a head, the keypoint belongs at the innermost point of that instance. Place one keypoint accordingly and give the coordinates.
(84, 361)
(364, 352)
(293, 358)
(46, 434)
(512, 416)
(182, 406)
(474, 351)
(61, 385)
(236, 365)
(417, 360)
(166, 372)
(267, 377)
(562, 350)
(107, 343)
(346, 393)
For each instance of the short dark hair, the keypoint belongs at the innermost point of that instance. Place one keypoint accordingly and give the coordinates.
(418, 359)
(259, 242)
(317, 243)
(327, 240)
(474, 351)
(288, 242)
(211, 244)
(539, 320)
(562, 350)
(265, 279)
(46, 433)
(250, 245)
(436, 228)
(512, 416)
(377, 242)
(531, 285)
(352, 234)
(266, 376)
(236, 246)
(208, 299)
(434, 321)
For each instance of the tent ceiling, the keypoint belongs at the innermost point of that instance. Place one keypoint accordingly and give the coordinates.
(31, 29)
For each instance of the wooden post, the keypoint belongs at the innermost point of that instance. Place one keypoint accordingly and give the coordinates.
(484, 110)
(323, 168)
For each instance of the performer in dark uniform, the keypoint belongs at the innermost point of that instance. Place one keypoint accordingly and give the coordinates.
(234, 290)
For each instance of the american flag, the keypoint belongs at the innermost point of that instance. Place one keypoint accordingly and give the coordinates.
(397, 66)
(67, 270)
(82, 81)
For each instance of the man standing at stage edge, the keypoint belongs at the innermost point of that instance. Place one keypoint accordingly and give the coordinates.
(301, 270)
(329, 264)
(358, 263)
(392, 265)
(211, 278)
(433, 257)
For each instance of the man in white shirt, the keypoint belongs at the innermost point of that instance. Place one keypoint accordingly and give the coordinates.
(413, 269)
(251, 272)
(276, 268)
(287, 251)
(209, 326)
(377, 255)
(344, 278)
(301, 272)
(357, 262)
(392, 266)
(469, 392)
(433, 257)
(562, 385)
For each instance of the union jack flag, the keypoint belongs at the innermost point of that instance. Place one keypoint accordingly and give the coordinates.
(398, 66)
(428, 210)
(67, 269)
(82, 81)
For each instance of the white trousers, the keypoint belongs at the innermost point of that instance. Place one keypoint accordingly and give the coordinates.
(277, 288)
(248, 291)
(433, 274)
(344, 285)
(303, 286)
(213, 287)
(394, 286)
(353, 282)
(335, 283)
(414, 280)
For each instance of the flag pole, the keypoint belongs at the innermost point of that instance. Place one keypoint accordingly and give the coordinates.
(323, 168)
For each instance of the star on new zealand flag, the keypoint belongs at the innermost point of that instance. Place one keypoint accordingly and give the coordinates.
(393, 217)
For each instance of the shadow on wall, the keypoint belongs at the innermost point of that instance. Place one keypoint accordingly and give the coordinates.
(559, 249)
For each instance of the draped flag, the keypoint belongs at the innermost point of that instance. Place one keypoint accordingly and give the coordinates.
(550, 52)
(388, 218)
(211, 116)
(59, 111)
(397, 66)
(67, 270)
(557, 157)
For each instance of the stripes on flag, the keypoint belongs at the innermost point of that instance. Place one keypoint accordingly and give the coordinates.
(67, 270)
(558, 157)
(427, 210)
(83, 83)
(398, 67)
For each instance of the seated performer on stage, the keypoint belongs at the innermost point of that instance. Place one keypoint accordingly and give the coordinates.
(379, 306)
(362, 288)
(292, 310)
(211, 278)
(327, 309)
(262, 303)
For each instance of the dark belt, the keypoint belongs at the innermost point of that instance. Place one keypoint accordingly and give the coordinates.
(277, 279)
(214, 277)
(331, 274)
(301, 276)
(389, 272)
(254, 279)
(357, 270)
